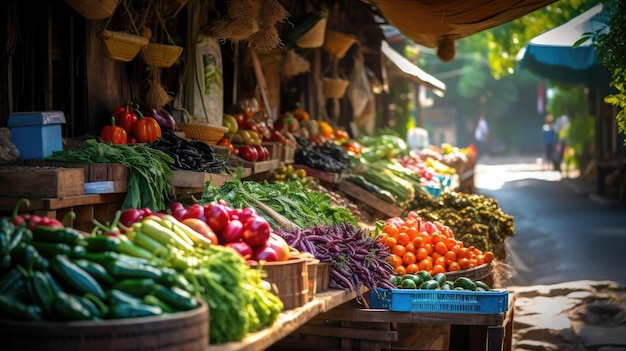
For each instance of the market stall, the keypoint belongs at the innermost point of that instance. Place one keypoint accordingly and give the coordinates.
(227, 216)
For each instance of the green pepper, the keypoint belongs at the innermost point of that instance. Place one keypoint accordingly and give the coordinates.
(65, 235)
(26, 255)
(11, 281)
(172, 277)
(90, 306)
(52, 282)
(135, 287)
(110, 257)
(123, 270)
(42, 292)
(74, 276)
(133, 311)
(70, 308)
(130, 248)
(155, 301)
(102, 243)
(103, 309)
(14, 308)
(19, 235)
(49, 250)
(5, 238)
(78, 251)
(175, 297)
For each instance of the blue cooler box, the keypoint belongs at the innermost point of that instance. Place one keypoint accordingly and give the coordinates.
(37, 134)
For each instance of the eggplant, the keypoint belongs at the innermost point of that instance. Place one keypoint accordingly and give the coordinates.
(161, 115)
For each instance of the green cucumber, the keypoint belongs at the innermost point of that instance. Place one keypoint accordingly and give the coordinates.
(429, 285)
(464, 283)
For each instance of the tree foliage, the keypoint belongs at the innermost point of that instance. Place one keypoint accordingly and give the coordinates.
(611, 50)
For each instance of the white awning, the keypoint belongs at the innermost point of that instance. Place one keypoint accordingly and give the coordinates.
(411, 71)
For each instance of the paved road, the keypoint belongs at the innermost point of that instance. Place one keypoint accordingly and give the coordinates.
(561, 234)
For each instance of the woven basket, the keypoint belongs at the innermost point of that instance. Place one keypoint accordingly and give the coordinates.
(337, 43)
(94, 9)
(476, 273)
(161, 55)
(334, 88)
(289, 279)
(187, 330)
(314, 38)
(208, 133)
(122, 46)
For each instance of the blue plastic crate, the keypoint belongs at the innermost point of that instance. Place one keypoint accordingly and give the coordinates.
(435, 192)
(442, 301)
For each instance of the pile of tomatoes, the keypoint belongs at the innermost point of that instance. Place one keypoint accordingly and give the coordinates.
(418, 245)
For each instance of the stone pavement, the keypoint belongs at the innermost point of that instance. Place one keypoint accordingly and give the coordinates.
(572, 316)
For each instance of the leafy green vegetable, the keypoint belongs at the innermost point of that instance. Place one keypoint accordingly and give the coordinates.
(303, 206)
(148, 168)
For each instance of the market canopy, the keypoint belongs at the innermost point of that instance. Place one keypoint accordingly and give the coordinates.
(427, 22)
(552, 55)
(410, 71)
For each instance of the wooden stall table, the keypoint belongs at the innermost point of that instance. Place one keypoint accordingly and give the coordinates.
(288, 321)
(377, 329)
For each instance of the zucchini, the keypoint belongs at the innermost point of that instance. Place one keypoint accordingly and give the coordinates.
(76, 277)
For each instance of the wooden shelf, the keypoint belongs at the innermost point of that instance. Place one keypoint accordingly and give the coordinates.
(288, 322)
(367, 198)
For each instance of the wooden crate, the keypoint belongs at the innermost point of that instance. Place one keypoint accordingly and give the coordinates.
(190, 182)
(41, 182)
(328, 177)
(254, 167)
(115, 173)
(365, 197)
(275, 149)
(288, 154)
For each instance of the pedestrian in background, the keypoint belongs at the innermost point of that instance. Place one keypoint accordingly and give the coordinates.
(481, 137)
(549, 140)
(561, 128)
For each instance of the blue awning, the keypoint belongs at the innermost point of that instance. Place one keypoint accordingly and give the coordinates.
(552, 55)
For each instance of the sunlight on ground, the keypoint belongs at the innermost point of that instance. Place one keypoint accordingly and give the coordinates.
(493, 173)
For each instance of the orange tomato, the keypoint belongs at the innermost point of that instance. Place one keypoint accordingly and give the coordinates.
(425, 265)
(438, 269)
(464, 263)
(436, 238)
(480, 259)
(410, 247)
(391, 230)
(464, 252)
(454, 266)
(449, 257)
(398, 250)
(441, 261)
(412, 231)
(441, 248)
(421, 253)
(418, 241)
(403, 238)
(408, 258)
(390, 242)
(412, 268)
(394, 260)
(400, 270)
(429, 248)
(488, 257)
(450, 243)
